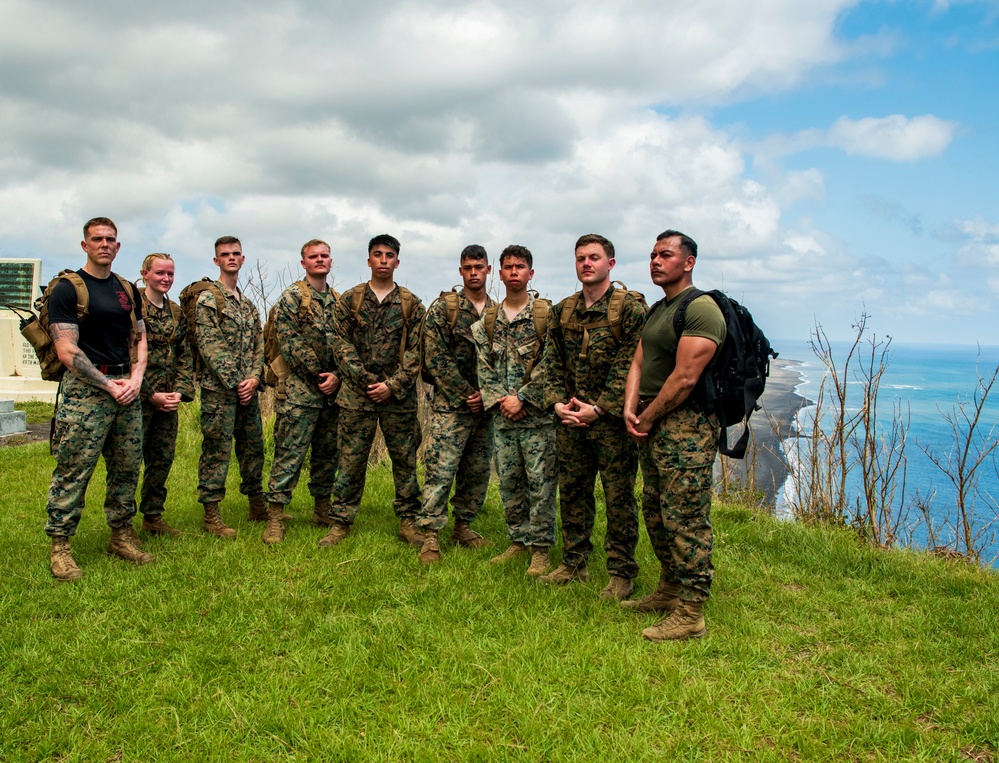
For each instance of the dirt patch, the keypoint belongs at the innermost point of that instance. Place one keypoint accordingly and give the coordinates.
(35, 433)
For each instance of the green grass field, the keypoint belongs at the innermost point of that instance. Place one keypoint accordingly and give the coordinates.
(818, 648)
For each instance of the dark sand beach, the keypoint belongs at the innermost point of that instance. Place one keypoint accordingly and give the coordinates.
(769, 427)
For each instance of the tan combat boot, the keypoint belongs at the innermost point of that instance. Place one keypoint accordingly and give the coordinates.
(663, 599)
(154, 524)
(564, 574)
(213, 523)
(338, 531)
(686, 621)
(540, 563)
(121, 545)
(61, 560)
(274, 532)
(463, 535)
(322, 515)
(514, 551)
(430, 551)
(258, 509)
(618, 588)
(410, 533)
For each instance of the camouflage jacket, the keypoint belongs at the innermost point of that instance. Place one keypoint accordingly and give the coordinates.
(366, 349)
(503, 364)
(449, 354)
(306, 343)
(231, 345)
(600, 376)
(169, 367)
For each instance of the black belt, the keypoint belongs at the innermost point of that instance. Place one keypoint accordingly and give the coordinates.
(115, 370)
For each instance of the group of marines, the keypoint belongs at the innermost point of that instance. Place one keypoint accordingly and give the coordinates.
(549, 395)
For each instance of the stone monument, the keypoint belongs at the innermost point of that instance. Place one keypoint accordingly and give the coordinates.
(20, 376)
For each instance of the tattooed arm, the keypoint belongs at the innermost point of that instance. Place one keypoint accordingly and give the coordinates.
(66, 338)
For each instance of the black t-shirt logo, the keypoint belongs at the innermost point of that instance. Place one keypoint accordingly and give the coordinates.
(126, 303)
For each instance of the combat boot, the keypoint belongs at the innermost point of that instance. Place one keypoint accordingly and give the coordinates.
(274, 532)
(686, 621)
(258, 510)
(133, 537)
(462, 534)
(61, 560)
(514, 551)
(540, 563)
(213, 523)
(338, 531)
(410, 533)
(430, 551)
(618, 588)
(663, 599)
(564, 574)
(154, 524)
(322, 515)
(121, 546)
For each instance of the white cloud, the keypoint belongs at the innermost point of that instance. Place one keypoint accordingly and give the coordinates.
(895, 137)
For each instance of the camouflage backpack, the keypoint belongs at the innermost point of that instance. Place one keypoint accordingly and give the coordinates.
(188, 302)
(613, 320)
(451, 307)
(36, 329)
(540, 327)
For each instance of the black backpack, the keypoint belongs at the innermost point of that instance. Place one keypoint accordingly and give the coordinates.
(732, 385)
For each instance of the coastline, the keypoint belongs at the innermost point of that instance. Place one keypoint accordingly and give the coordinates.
(769, 427)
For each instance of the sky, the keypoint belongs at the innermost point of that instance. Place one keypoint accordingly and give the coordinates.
(831, 158)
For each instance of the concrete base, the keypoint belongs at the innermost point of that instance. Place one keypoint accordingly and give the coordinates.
(21, 389)
(11, 421)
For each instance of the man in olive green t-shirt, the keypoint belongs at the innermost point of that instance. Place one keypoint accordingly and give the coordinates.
(678, 440)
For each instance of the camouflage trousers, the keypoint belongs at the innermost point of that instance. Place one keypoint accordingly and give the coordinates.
(401, 430)
(222, 420)
(159, 441)
(89, 424)
(296, 429)
(526, 464)
(603, 447)
(677, 462)
(459, 450)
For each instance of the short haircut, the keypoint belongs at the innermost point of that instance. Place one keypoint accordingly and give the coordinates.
(596, 238)
(97, 221)
(474, 252)
(686, 242)
(516, 250)
(384, 240)
(315, 242)
(147, 263)
(228, 240)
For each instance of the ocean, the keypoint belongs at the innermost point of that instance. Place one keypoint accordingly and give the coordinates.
(927, 381)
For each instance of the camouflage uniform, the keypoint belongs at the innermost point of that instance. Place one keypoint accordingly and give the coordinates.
(525, 449)
(169, 369)
(89, 423)
(459, 446)
(366, 349)
(231, 346)
(592, 366)
(305, 416)
(679, 455)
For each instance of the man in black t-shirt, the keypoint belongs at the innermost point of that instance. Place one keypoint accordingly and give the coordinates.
(99, 412)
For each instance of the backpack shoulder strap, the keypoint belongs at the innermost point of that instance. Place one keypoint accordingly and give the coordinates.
(568, 308)
(680, 317)
(82, 292)
(356, 300)
(451, 303)
(305, 303)
(541, 317)
(489, 321)
(406, 301)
